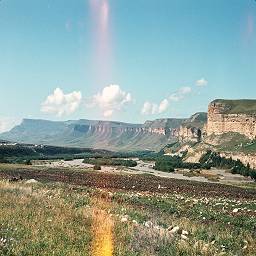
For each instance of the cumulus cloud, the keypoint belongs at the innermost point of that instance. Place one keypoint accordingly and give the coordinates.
(6, 124)
(180, 94)
(152, 108)
(164, 104)
(111, 99)
(61, 104)
(149, 108)
(201, 82)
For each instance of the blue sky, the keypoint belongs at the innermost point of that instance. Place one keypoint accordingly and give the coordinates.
(123, 60)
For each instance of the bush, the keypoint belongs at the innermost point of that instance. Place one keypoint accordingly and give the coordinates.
(3, 160)
(237, 167)
(28, 162)
(96, 167)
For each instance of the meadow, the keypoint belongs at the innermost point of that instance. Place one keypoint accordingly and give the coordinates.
(67, 217)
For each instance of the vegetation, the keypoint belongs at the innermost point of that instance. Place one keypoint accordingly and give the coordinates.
(239, 106)
(43, 220)
(169, 163)
(97, 167)
(61, 219)
(23, 153)
(237, 167)
(110, 162)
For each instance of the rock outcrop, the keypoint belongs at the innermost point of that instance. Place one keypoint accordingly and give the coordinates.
(193, 129)
(232, 116)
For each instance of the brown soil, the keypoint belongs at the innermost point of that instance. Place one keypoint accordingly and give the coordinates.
(129, 182)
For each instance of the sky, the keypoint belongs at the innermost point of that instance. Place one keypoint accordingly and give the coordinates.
(123, 60)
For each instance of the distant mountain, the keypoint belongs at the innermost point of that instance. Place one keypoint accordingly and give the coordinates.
(197, 120)
(118, 136)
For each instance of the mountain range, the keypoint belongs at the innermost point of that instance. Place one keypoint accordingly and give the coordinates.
(110, 135)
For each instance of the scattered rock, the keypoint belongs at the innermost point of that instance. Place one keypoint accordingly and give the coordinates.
(174, 230)
(184, 237)
(31, 181)
(148, 224)
(134, 222)
(235, 210)
(124, 219)
(184, 232)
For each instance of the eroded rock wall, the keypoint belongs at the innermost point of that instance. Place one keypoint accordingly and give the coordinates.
(220, 122)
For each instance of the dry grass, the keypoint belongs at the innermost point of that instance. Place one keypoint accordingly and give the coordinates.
(60, 219)
(41, 221)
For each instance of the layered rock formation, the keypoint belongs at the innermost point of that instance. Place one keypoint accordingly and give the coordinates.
(152, 135)
(223, 116)
(193, 129)
(232, 116)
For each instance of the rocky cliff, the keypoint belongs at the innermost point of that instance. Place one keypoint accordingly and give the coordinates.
(152, 135)
(232, 116)
(193, 129)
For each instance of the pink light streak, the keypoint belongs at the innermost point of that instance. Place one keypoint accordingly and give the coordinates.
(250, 26)
(103, 49)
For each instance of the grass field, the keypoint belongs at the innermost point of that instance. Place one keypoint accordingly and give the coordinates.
(60, 218)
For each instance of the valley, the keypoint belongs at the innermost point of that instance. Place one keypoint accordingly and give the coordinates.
(165, 187)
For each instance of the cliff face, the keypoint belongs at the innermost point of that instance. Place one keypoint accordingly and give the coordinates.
(152, 135)
(193, 129)
(232, 116)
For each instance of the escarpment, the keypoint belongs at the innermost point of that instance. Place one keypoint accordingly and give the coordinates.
(224, 116)
(232, 116)
(193, 129)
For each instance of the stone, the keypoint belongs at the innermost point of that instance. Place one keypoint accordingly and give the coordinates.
(235, 210)
(31, 181)
(184, 237)
(175, 230)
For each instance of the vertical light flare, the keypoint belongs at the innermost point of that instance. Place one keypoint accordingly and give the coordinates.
(104, 15)
(103, 50)
(250, 25)
(102, 244)
(248, 31)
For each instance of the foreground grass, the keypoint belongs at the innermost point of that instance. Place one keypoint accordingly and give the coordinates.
(43, 220)
(61, 219)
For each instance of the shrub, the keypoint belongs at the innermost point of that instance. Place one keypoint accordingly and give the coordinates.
(237, 167)
(96, 167)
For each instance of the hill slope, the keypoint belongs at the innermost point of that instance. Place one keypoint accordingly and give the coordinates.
(153, 135)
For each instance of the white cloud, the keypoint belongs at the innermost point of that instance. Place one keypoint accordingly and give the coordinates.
(111, 99)
(61, 104)
(152, 108)
(201, 82)
(6, 124)
(164, 104)
(180, 94)
(149, 108)
(108, 113)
